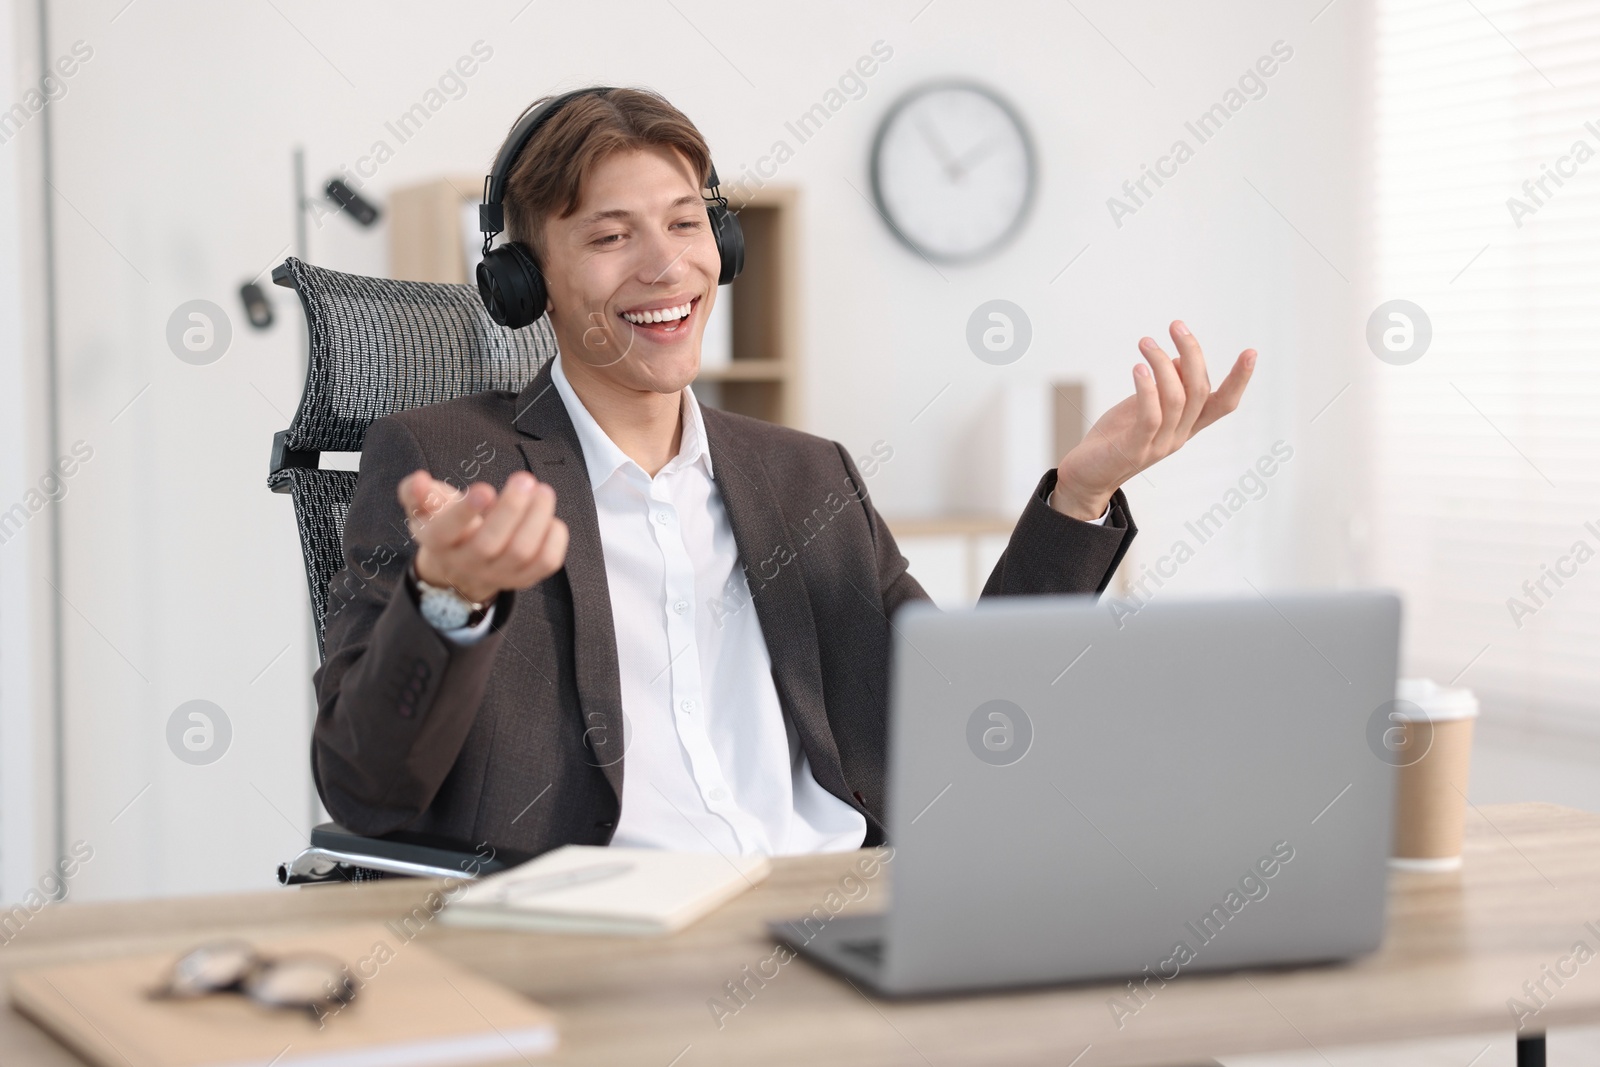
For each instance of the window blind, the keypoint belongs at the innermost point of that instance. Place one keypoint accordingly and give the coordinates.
(1486, 450)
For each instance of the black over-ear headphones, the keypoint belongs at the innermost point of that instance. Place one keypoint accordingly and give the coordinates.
(509, 281)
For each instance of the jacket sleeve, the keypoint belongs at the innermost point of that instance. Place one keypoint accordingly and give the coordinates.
(1053, 553)
(395, 698)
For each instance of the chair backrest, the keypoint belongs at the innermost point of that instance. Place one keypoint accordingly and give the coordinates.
(378, 346)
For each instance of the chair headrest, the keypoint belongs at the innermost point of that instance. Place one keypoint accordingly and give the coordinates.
(378, 346)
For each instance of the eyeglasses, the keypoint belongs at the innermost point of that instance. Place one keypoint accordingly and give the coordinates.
(310, 982)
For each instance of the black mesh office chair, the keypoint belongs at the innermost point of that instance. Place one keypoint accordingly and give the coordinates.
(379, 346)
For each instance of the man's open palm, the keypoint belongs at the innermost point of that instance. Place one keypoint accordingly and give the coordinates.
(1171, 402)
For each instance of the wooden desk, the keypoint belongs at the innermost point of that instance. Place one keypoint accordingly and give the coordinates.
(1458, 946)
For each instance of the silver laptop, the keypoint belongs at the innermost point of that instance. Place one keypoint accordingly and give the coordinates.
(1081, 790)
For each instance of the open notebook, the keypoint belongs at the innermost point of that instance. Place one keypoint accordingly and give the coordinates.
(590, 889)
(412, 1007)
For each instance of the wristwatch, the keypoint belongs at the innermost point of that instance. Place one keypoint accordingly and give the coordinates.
(442, 606)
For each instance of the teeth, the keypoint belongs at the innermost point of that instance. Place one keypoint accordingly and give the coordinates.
(661, 315)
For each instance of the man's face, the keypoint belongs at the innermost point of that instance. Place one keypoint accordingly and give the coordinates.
(632, 273)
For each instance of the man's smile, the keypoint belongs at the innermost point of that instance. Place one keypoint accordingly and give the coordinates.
(664, 318)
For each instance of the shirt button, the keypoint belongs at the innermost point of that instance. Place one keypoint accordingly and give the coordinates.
(681, 606)
(719, 794)
(661, 517)
(687, 705)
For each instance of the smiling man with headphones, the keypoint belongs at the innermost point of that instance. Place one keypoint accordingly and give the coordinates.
(555, 662)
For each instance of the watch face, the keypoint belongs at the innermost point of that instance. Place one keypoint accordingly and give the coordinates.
(443, 610)
(953, 171)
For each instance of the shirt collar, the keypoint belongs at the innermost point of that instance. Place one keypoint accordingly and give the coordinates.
(601, 454)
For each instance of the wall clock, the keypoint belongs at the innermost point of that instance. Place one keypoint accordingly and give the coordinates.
(953, 171)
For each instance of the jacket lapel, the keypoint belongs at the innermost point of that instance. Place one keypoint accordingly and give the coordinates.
(781, 601)
(550, 447)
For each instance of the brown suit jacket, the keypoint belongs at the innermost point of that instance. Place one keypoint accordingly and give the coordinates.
(519, 740)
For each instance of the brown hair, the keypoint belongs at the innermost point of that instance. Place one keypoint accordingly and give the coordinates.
(547, 177)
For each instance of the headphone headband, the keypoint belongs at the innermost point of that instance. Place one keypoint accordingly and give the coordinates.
(491, 213)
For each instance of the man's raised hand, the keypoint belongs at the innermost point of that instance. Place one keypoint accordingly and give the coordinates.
(479, 542)
(1172, 401)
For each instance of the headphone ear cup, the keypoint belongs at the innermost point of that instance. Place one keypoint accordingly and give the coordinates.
(511, 286)
(730, 241)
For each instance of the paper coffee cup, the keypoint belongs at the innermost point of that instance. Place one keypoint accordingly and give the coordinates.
(1431, 805)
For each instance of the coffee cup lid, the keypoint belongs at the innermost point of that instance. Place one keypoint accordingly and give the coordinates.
(1436, 702)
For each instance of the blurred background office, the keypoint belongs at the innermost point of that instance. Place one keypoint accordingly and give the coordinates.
(1395, 201)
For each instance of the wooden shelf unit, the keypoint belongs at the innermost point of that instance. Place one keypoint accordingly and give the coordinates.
(427, 243)
(427, 240)
(761, 379)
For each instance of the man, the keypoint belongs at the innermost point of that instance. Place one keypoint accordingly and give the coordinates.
(652, 623)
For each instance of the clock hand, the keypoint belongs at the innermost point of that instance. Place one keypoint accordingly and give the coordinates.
(938, 147)
(965, 161)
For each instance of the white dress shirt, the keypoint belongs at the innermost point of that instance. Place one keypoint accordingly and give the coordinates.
(711, 762)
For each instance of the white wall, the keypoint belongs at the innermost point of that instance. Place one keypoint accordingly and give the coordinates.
(173, 162)
(26, 809)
